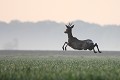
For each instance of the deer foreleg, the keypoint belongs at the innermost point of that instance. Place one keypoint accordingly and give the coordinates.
(63, 46)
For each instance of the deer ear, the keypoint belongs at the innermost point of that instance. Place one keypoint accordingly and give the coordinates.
(72, 26)
(66, 26)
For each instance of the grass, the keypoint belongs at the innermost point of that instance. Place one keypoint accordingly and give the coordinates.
(59, 68)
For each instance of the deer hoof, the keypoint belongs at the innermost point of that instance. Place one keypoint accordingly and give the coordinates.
(95, 52)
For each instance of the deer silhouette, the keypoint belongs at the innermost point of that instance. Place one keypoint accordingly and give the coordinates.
(76, 44)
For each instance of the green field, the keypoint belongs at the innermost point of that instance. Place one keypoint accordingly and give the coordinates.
(59, 67)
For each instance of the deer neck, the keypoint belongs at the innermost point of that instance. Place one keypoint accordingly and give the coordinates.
(70, 35)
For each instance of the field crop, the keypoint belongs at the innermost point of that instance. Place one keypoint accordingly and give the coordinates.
(59, 68)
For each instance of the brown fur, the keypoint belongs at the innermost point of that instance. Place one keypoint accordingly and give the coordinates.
(74, 43)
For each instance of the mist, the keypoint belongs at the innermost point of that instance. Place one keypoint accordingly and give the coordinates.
(49, 35)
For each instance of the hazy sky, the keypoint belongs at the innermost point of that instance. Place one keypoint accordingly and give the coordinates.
(96, 11)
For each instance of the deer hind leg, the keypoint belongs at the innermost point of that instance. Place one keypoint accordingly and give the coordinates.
(97, 47)
(94, 50)
(64, 47)
(93, 47)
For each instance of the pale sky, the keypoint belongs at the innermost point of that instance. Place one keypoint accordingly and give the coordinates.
(93, 11)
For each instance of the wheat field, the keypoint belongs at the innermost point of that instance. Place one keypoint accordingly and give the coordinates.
(59, 65)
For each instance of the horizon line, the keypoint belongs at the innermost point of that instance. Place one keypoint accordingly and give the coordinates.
(17, 20)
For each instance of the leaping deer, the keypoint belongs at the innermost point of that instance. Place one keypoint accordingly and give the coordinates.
(74, 43)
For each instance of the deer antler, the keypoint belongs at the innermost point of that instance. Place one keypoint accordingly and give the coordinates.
(70, 24)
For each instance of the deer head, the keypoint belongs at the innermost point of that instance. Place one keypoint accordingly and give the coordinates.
(69, 28)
